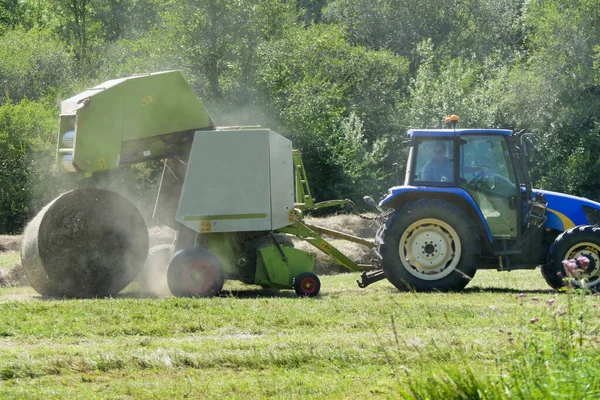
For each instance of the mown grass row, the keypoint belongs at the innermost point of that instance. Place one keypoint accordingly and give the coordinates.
(507, 335)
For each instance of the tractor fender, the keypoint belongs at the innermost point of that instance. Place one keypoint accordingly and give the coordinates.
(565, 211)
(400, 195)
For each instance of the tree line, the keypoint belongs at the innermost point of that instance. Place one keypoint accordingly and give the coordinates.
(343, 79)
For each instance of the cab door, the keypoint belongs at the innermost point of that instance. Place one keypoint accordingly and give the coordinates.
(487, 173)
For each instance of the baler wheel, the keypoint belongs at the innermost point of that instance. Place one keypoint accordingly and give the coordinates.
(195, 273)
(307, 285)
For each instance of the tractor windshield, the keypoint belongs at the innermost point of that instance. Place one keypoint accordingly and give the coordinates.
(486, 172)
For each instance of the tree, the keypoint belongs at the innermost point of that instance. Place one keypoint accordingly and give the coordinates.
(473, 29)
(220, 38)
(27, 146)
(324, 91)
(33, 65)
(443, 86)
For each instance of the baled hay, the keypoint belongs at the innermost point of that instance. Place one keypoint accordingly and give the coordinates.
(347, 223)
(10, 243)
(327, 265)
(14, 277)
(85, 243)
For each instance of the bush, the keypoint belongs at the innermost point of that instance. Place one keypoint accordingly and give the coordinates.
(33, 65)
(27, 143)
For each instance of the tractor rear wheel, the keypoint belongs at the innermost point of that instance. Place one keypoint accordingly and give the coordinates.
(429, 244)
(583, 240)
(195, 273)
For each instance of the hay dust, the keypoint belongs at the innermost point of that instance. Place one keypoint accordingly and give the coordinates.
(152, 280)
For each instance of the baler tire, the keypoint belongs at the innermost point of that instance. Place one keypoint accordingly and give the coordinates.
(574, 242)
(307, 284)
(195, 273)
(429, 245)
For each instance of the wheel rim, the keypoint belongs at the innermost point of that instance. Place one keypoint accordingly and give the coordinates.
(430, 249)
(308, 285)
(198, 277)
(592, 251)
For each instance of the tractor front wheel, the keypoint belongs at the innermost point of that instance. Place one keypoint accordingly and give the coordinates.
(307, 285)
(429, 244)
(195, 273)
(583, 240)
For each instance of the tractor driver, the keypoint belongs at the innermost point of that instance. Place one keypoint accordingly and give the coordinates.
(439, 168)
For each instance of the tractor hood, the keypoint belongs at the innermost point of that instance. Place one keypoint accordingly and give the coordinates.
(566, 211)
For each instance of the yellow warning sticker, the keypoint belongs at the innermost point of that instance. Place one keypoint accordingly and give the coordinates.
(102, 163)
(291, 216)
(146, 100)
(205, 226)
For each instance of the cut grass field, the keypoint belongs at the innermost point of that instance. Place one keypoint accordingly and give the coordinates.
(250, 343)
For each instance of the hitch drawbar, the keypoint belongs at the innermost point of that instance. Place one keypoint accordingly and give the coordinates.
(370, 277)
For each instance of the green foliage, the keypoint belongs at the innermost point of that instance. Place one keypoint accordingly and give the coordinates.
(26, 159)
(473, 29)
(33, 65)
(443, 86)
(315, 80)
(573, 146)
(219, 41)
(343, 79)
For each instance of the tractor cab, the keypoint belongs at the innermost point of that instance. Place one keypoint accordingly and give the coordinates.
(477, 164)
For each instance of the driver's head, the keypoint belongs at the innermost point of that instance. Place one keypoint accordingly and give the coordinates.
(439, 150)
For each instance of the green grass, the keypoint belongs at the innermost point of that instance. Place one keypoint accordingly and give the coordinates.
(249, 343)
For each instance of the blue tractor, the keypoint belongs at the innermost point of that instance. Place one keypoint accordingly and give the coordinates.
(467, 203)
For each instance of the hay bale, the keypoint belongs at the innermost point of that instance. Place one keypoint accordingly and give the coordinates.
(346, 223)
(85, 243)
(14, 277)
(10, 243)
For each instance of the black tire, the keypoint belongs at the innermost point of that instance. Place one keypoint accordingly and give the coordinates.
(574, 242)
(307, 284)
(153, 277)
(447, 241)
(195, 273)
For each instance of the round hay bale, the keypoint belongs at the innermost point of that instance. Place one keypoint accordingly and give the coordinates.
(85, 243)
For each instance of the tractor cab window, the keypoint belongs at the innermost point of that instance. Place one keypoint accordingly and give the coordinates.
(435, 161)
(486, 172)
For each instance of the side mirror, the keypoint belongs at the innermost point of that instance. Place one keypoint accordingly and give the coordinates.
(395, 165)
(528, 146)
(369, 200)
